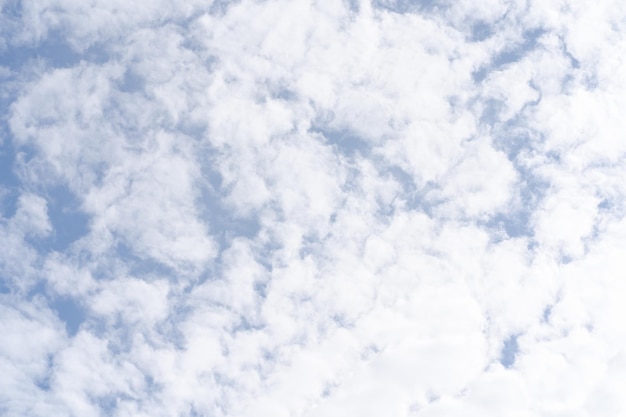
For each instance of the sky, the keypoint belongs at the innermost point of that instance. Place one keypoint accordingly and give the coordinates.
(309, 208)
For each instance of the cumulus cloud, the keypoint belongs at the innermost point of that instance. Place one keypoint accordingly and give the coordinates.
(290, 208)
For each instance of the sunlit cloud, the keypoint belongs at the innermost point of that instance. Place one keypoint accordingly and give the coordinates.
(291, 208)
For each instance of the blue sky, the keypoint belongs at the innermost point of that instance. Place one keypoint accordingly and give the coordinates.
(299, 208)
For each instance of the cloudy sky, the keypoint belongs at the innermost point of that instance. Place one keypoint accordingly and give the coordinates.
(312, 208)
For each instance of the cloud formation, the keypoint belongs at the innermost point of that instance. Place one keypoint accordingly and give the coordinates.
(303, 208)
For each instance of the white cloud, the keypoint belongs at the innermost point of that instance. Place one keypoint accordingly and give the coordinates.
(32, 336)
(479, 186)
(31, 216)
(132, 300)
(313, 209)
(86, 374)
(19, 261)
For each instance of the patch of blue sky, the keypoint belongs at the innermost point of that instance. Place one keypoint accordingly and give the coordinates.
(547, 312)
(150, 385)
(280, 92)
(53, 50)
(310, 245)
(43, 383)
(265, 257)
(10, 14)
(514, 224)
(516, 140)
(417, 197)
(247, 324)
(345, 142)
(404, 6)
(512, 136)
(511, 54)
(220, 7)
(169, 329)
(509, 352)
(353, 5)
(517, 220)
(68, 221)
(481, 31)
(118, 331)
(131, 82)
(9, 182)
(492, 108)
(402, 177)
(261, 288)
(70, 311)
(137, 265)
(611, 206)
(605, 204)
(11, 9)
(4, 287)
(109, 403)
(223, 224)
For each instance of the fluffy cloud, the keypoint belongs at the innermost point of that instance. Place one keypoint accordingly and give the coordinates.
(407, 208)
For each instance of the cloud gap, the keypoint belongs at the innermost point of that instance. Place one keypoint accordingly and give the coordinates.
(481, 31)
(512, 136)
(68, 221)
(221, 7)
(345, 142)
(294, 61)
(131, 82)
(54, 50)
(44, 383)
(70, 311)
(547, 313)
(509, 351)
(9, 182)
(223, 225)
(109, 403)
(169, 329)
(491, 111)
(141, 266)
(531, 192)
(406, 6)
(12, 8)
(353, 5)
(510, 55)
(514, 224)
(4, 288)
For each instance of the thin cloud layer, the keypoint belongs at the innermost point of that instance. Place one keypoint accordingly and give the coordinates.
(290, 208)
